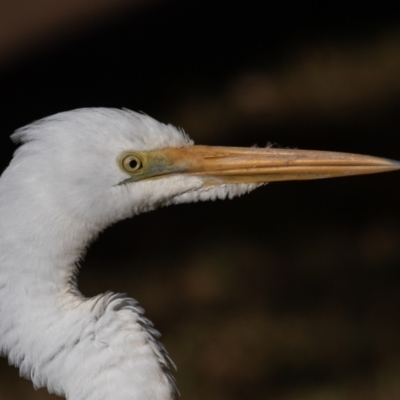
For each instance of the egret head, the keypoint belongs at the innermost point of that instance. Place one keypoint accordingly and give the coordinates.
(71, 161)
(103, 165)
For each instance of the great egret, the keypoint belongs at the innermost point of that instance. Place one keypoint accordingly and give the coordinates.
(75, 174)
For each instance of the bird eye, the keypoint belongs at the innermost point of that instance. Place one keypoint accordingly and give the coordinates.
(131, 163)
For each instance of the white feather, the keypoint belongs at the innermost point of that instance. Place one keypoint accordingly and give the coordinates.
(60, 190)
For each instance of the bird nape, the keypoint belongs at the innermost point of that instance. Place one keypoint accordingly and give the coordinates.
(75, 174)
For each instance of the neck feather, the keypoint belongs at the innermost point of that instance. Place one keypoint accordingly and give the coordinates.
(84, 349)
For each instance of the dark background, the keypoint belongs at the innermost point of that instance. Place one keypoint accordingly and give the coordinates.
(291, 292)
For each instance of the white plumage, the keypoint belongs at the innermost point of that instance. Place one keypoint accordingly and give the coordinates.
(67, 183)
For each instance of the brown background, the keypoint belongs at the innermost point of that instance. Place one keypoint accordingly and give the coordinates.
(291, 292)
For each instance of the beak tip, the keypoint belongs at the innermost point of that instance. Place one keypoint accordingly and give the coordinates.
(394, 164)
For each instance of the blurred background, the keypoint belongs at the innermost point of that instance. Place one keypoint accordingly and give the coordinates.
(292, 292)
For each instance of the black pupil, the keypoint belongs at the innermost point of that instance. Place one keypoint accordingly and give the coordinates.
(133, 163)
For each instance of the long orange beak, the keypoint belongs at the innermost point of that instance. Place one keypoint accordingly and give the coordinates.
(218, 165)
